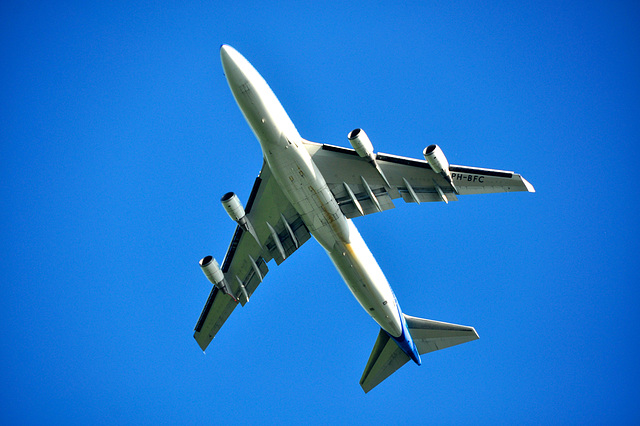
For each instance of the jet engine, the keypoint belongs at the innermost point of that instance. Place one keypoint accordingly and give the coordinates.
(436, 159)
(231, 204)
(361, 143)
(438, 162)
(212, 271)
(363, 146)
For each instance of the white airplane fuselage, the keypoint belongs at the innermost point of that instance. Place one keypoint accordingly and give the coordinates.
(306, 189)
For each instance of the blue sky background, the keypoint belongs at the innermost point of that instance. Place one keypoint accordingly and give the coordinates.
(119, 135)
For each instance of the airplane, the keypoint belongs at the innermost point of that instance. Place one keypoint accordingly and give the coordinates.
(309, 189)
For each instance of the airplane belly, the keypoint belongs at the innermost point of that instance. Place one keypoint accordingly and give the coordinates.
(305, 187)
(365, 279)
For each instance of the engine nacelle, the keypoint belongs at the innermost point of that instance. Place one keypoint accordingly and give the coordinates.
(361, 143)
(212, 271)
(214, 274)
(234, 209)
(438, 162)
(436, 159)
(231, 204)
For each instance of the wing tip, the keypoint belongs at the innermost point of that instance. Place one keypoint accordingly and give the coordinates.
(476, 333)
(527, 185)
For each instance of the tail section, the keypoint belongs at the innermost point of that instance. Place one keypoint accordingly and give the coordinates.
(431, 335)
(385, 359)
(428, 336)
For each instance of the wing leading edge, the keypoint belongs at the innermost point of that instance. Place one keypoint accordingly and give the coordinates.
(279, 231)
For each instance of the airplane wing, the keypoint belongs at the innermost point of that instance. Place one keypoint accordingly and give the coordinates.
(279, 230)
(360, 188)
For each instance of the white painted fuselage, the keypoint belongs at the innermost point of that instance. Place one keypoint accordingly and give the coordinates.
(306, 189)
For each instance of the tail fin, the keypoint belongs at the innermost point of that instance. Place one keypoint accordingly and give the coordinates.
(428, 335)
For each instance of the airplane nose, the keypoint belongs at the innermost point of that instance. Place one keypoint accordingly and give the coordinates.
(236, 68)
(224, 51)
(225, 56)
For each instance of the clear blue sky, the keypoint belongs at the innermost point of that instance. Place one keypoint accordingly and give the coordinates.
(119, 135)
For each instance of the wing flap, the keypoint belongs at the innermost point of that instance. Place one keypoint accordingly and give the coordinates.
(216, 311)
(290, 235)
(376, 200)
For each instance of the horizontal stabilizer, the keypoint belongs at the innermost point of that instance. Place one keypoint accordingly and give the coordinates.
(431, 335)
(428, 336)
(385, 359)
